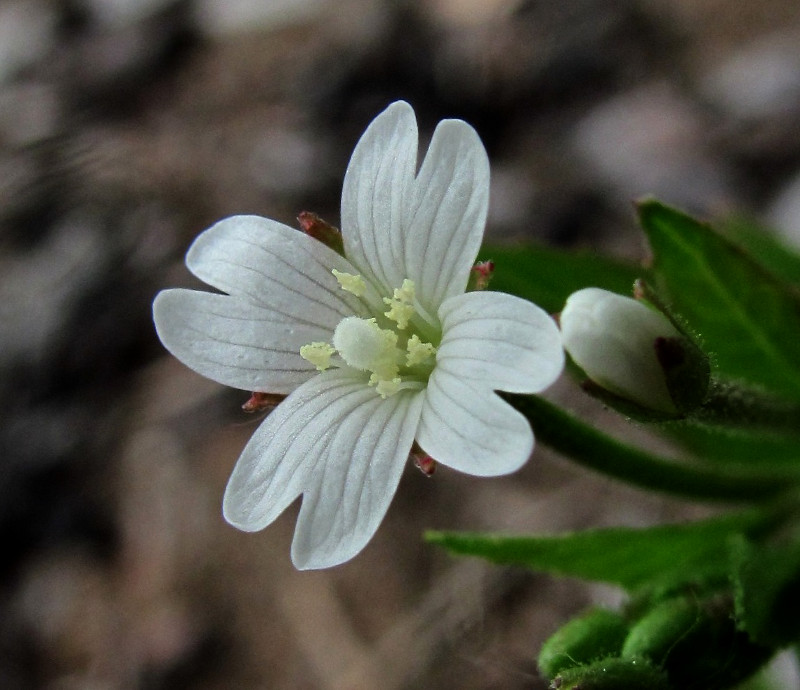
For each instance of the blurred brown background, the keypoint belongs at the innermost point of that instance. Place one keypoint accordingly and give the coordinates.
(128, 126)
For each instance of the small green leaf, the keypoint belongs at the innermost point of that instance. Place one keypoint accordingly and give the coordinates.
(748, 321)
(547, 276)
(628, 557)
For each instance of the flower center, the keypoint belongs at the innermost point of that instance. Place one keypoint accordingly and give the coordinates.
(366, 346)
(395, 357)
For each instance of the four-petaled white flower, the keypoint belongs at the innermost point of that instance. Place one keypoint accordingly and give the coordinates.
(375, 350)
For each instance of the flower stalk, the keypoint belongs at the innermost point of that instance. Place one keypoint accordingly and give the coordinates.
(598, 451)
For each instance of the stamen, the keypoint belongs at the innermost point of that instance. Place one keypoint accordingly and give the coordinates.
(385, 388)
(418, 351)
(319, 354)
(350, 283)
(401, 305)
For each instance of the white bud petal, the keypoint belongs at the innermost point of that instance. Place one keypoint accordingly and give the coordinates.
(612, 338)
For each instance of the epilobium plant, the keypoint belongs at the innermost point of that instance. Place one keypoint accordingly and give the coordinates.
(384, 343)
(375, 348)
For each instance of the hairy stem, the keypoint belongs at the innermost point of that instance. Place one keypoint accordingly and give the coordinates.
(598, 451)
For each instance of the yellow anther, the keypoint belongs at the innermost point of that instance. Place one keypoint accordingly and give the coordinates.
(319, 354)
(385, 388)
(401, 305)
(405, 293)
(418, 351)
(350, 283)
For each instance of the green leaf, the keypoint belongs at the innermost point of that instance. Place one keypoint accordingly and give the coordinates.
(628, 557)
(547, 276)
(748, 321)
(765, 247)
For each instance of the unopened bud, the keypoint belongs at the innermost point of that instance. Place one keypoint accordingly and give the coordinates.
(633, 351)
(314, 226)
(595, 635)
(612, 674)
(697, 643)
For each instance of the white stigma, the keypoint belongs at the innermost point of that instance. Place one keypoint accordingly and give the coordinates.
(365, 346)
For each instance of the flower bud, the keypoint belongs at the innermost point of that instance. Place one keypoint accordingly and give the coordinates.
(697, 643)
(595, 635)
(633, 351)
(612, 674)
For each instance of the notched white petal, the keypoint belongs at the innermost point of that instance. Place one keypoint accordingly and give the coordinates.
(361, 468)
(376, 195)
(277, 267)
(343, 447)
(234, 342)
(499, 341)
(471, 429)
(448, 215)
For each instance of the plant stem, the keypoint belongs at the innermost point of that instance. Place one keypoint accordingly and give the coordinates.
(728, 404)
(596, 450)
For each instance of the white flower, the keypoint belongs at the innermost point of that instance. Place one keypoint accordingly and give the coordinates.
(613, 339)
(375, 350)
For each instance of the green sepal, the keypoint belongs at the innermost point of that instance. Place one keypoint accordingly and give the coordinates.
(686, 371)
(597, 634)
(612, 674)
(628, 408)
(686, 367)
